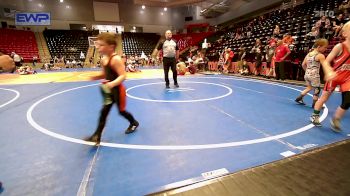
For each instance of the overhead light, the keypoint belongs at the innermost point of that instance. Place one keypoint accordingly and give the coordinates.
(162, 13)
(61, 1)
(67, 6)
(165, 9)
(134, 27)
(143, 7)
(40, 5)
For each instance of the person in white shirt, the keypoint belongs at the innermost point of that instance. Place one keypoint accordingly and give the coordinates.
(17, 59)
(170, 56)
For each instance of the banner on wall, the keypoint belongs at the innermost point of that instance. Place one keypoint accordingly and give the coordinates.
(33, 19)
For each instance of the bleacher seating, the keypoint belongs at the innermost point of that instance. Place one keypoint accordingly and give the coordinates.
(67, 42)
(19, 41)
(298, 24)
(136, 43)
(190, 39)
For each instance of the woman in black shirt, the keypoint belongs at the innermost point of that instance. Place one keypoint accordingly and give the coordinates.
(338, 25)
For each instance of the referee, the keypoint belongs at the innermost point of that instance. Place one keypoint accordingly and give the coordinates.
(170, 56)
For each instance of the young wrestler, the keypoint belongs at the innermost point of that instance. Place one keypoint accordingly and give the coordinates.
(340, 56)
(311, 65)
(113, 90)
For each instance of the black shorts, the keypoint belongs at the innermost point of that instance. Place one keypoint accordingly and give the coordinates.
(268, 64)
(258, 64)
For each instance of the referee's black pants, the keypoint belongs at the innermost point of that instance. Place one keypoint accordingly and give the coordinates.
(167, 64)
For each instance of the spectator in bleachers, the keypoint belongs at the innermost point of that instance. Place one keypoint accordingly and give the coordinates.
(35, 61)
(261, 19)
(313, 34)
(249, 34)
(323, 25)
(51, 61)
(249, 30)
(221, 58)
(281, 53)
(338, 24)
(82, 55)
(270, 51)
(245, 70)
(137, 59)
(55, 59)
(91, 61)
(80, 64)
(344, 6)
(149, 59)
(276, 31)
(181, 67)
(74, 63)
(68, 64)
(272, 40)
(17, 59)
(257, 51)
(240, 57)
(294, 63)
(64, 60)
(132, 68)
(238, 34)
(288, 39)
(229, 54)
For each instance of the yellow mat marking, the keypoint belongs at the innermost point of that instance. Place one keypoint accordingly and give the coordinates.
(48, 77)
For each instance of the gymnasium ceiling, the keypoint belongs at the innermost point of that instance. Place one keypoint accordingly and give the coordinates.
(209, 8)
(81, 9)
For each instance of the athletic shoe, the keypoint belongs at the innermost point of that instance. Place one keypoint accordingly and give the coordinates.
(177, 85)
(300, 101)
(335, 125)
(94, 138)
(315, 119)
(132, 127)
(167, 86)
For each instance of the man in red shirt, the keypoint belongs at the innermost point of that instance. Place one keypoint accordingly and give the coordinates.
(228, 61)
(281, 53)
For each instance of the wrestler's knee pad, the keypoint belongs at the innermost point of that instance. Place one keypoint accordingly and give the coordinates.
(345, 100)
